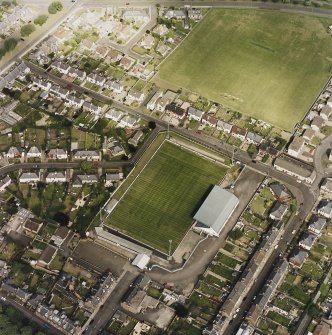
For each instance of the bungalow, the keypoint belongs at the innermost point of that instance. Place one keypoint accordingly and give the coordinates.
(128, 121)
(307, 241)
(195, 114)
(88, 106)
(34, 152)
(101, 51)
(96, 79)
(114, 86)
(308, 134)
(152, 102)
(126, 63)
(163, 49)
(296, 146)
(317, 123)
(60, 235)
(209, 120)
(90, 155)
(82, 179)
(59, 91)
(4, 182)
(254, 138)
(136, 138)
(278, 211)
(163, 102)
(135, 95)
(114, 115)
(57, 154)
(72, 101)
(326, 112)
(298, 258)
(325, 209)
(32, 225)
(112, 178)
(239, 132)
(29, 177)
(316, 225)
(327, 185)
(61, 67)
(13, 152)
(47, 256)
(55, 177)
(147, 42)
(279, 191)
(88, 45)
(114, 55)
(175, 110)
(160, 29)
(179, 14)
(194, 14)
(76, 73)
(224, 126)
(135, 15)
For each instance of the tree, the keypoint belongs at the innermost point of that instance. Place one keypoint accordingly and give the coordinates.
(152, 124)
(54, 7)
(235, 234)
(40, 20)
(10, 44)
(86, 166)
(6, 4)
(27, 29)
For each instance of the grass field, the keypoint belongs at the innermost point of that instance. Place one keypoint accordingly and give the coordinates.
(265, 64)
(161, 203)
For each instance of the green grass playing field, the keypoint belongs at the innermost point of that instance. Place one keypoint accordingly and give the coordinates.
(265, 64)
(161, 203)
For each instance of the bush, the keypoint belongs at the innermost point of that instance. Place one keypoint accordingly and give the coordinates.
(40, 20)
(10, 44)
(54, 7)
(27, 29)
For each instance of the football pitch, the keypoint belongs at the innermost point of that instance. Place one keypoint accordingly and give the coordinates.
(264, 64)
(160, 204)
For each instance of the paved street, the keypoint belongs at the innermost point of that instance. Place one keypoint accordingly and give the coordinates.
(111, 304)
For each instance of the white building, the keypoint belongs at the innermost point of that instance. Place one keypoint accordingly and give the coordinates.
(55, 177)
(29, 178)
(4, 182)
(34, 152)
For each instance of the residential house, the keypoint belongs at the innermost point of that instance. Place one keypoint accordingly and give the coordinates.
(76, 73)
(195, 14)
(82, 179)
(114, 55)
(329, 102)
(327, 185)
(308, 134)
(114, 86)
(136, 138)
(88, 106)
(135, 95)
(279, 191)
(209, 120)
(307, 241)
(61, 67)
(34, 152)
(298, 258)
(325, 209)
(87, 45)
(160, 29)
(101, 51)
(239, 132)
(114, 115)
(316, 224)
(147, 42)
(326, 112)
(60, 235)
(55, 177)
(167, 98)
(135, 15)
(178, 14)
(47, 256)
(128, 121)
(32, 226)
(5, 182)
(317, 123)
(112, 178)
(293, 167)
(152, 102)
(163, 49)
(254, 138)
(195, 114)
(57, 154)
(29, 178)
(72, 101)
(96, 79)
(126, 63)
(42, 84)
(296, 147)
(175, 111)
(59, 91)
(278, 211)
(224, 126)
(90, 155)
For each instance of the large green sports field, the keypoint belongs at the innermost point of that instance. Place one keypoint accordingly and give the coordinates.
(266, 64)
(160, 204)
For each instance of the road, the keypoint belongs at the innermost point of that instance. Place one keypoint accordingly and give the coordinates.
(111, 304)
